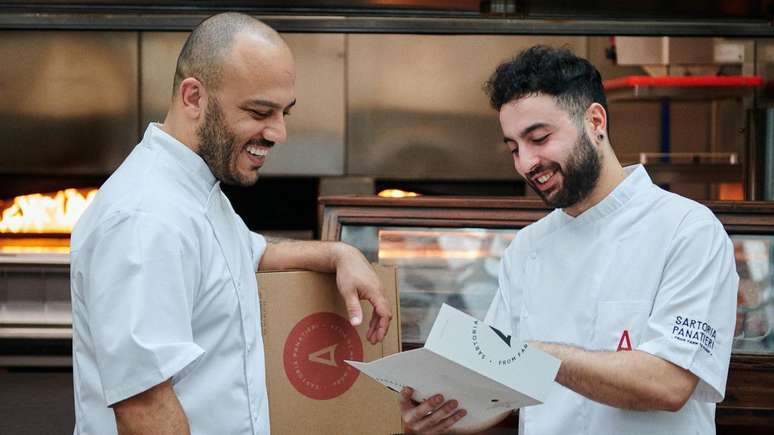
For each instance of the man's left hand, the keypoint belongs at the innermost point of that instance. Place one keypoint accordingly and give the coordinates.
(356, 280)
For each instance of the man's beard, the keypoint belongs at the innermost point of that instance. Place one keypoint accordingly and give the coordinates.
(218, 147)
(580, 175)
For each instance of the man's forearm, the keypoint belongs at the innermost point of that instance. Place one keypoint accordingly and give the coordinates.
(302, 254)
(156, 411)
(630, 380)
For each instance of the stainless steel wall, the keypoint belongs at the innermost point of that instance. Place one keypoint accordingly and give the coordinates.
(379, 106)
(416, 108)
(395, 106)
(68, 101)
(75, 103)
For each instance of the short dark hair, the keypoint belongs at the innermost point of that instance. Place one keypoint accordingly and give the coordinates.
(571, 80)
(209, 44)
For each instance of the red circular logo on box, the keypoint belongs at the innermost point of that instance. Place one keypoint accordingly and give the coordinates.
(314, 356)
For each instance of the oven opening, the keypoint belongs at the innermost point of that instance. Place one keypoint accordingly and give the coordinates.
(35, 313)
(40, 224)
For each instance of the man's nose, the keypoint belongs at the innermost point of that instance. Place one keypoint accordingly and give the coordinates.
(276, 131)
(527, 161)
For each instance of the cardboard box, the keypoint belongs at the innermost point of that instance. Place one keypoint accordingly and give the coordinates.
(307, 337)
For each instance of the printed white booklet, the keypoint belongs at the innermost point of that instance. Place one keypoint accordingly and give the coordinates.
(487, 372)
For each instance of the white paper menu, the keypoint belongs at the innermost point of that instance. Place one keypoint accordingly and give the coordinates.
(488, 373)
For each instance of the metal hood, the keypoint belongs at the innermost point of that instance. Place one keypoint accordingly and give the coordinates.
(556, 9)
(644, 17)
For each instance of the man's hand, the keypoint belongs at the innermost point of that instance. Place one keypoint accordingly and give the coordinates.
(155, 411)
(430, 417)
(356, 280)
(354, 276)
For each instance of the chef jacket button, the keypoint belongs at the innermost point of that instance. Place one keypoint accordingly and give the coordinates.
(533, 256)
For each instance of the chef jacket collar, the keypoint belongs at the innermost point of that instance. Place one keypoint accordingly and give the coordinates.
(636, 180)
(191, 162)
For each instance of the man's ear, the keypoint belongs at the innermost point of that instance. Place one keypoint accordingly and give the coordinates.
(193, 98)
(596, 122)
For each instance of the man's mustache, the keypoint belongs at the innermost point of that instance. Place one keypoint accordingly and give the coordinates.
(261, 142)
(542, 168)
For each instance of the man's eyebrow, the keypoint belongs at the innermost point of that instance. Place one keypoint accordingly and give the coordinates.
(270, 104)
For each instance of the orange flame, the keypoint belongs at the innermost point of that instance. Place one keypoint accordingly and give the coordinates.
(52, 213)
(396, 193)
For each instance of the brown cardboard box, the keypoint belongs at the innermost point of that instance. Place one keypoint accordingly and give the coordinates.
(307, 336)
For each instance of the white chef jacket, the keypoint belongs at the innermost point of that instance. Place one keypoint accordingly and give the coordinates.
(643, 269)
(163, 286)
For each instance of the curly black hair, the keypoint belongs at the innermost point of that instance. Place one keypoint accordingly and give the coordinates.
(571, 80)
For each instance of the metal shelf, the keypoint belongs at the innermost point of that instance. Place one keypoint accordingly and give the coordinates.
(35, 259)
(36, 332)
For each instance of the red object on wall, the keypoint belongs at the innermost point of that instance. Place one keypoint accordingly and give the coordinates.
(683, 81)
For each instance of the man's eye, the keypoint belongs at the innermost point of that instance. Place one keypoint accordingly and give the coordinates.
(258, 114)
(540, 139)
(515, 151)
(286, 114)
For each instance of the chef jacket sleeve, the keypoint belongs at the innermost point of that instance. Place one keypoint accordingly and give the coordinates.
(257, 248)
(693, 316)
(140, 280)
(500, 314)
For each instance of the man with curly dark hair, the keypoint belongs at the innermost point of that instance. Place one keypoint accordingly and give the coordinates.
(632, 287)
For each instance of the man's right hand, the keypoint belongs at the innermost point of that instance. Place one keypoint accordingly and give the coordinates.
(430, 417)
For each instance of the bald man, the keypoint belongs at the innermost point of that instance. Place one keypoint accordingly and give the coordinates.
(166, 324)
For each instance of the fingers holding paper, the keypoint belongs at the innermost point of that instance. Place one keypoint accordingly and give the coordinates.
(432, 416)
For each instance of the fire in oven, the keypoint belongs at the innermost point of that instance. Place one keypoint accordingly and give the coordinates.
(35, 311)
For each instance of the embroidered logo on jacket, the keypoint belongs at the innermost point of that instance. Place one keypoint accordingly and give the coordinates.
(694, 332)
(625, 343)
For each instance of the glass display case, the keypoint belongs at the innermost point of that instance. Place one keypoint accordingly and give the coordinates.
(457, 266)
(448, 250)
(755, 301)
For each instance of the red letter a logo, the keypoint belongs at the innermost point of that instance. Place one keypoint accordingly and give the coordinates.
(624, 343)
